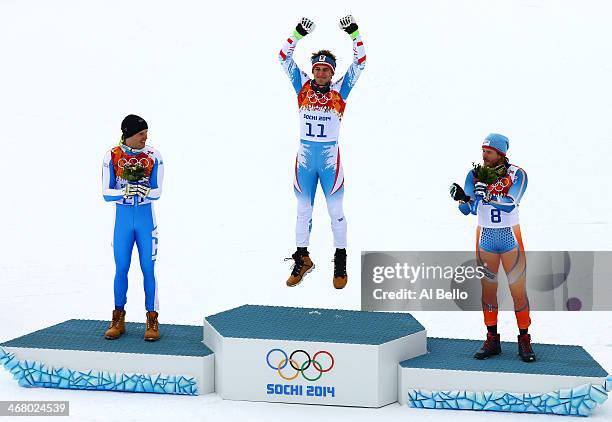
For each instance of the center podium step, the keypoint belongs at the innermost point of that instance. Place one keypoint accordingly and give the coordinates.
(307, 355)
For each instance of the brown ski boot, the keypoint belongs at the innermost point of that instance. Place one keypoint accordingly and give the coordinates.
(302, 266)
(340, 276)
(152, 330)
(117, 325)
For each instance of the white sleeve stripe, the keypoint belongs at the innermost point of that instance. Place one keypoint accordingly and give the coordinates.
(106, 189)
(156, 193)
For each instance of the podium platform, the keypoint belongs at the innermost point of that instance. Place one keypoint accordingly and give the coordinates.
(311, 356)
(75, 355)
(317, 356)
(564, 380)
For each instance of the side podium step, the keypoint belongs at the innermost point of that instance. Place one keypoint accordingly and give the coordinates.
(75, 355)
(564, 380)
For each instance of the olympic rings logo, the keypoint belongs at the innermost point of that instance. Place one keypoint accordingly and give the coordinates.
(144, 162)
(316, 98)
(500, 185)
(299, 368)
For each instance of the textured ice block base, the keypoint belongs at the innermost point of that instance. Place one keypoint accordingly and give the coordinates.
(579, 401)
(565, 380)
(37, 374)
(75, 355)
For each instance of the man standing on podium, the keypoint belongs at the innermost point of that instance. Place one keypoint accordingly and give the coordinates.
(132, 175)
(493, 191)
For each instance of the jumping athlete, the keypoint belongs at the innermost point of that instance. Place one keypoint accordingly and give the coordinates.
(132, 176)
(321, 105)
(498, 238)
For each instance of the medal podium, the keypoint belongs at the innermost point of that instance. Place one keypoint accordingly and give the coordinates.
(312, 356)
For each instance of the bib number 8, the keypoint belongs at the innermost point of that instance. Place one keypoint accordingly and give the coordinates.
(495, 216)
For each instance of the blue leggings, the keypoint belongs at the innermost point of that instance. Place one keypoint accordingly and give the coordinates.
(135, 223)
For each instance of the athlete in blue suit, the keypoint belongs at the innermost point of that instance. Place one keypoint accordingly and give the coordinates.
(132, 176)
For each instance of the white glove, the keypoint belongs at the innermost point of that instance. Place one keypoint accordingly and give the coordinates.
(143, 191)
(305, 27)
(481, 190)
(130, 190)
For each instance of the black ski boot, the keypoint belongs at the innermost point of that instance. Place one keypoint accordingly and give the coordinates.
(524, 348)
(491, 347)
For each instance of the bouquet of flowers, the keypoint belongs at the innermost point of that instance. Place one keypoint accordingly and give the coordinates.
(488, 175)
(482, 174)
(133, 172)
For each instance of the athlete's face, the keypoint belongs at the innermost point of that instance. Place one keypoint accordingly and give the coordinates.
(322, 74)
(137, 141)
(490, 157)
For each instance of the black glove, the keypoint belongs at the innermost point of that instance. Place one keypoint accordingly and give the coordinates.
(458, 194)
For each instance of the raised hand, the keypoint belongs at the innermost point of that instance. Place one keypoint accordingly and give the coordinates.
(458, 194)
(348, 24)
(305, 27)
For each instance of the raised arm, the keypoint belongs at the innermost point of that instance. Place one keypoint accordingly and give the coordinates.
(297, 77)
(347, 82)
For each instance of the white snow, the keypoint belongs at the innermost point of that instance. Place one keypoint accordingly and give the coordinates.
(440, 76)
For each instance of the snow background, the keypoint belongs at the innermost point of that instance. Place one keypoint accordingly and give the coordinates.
(440, 76)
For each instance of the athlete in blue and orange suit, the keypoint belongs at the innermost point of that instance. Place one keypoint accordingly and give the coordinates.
(134, 217)
(498, 239)
(321, 105)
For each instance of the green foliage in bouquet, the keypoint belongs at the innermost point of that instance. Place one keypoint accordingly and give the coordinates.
(485, 174)
(133, 173)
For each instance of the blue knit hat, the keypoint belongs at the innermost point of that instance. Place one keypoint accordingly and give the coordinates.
(325, 60)
(497, 142)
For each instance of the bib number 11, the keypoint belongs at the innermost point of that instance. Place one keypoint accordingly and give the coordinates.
(321, 130)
